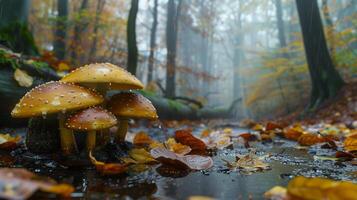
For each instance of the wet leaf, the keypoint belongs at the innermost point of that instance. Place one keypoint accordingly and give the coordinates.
(108, 168)
(350, 143)
(309, 139)
(200, 198)
(185, 137)
(194, 162)
(177, 148)
(141, 139)
(321, 188)
(7, 142)
(248, 163)
(22, 78)
(276, 193)
(21, 184)
(292, 133)
(272, 126)
(218, 139)
(141, 156)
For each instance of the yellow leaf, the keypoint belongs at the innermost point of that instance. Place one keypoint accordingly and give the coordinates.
(22, 78)
(141, 156)
(176, 147)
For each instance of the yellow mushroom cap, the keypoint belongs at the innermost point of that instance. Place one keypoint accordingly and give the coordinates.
(94, 118)
(132, 105)
(109, 75)
(53, 97)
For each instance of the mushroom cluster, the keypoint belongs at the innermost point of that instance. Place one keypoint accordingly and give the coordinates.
(79, 100)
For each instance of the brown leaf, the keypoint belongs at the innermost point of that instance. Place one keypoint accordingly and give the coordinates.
(309, 139)
(194, 162)
(21, 184)
(185, 137)
(108, 168)
(272, 126)
(292, 134)
(350, 143)
(248, 163)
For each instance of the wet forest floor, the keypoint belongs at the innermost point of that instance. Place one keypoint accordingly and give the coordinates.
(281, 145)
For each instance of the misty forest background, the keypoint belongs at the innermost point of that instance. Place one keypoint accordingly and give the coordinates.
(246, 55)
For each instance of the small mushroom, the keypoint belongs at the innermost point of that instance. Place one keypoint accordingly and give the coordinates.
(56, 97)
(91, 120)
(128, 105)
(103, 77)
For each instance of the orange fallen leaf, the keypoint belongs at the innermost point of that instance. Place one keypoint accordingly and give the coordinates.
(321, 188)
(8, 142)
(272, 126)
(350, 143)
(185, 137)
(142, 138)
(194, 162)
(309, 139)
(108, 168)
(178, 148)
(292, 134)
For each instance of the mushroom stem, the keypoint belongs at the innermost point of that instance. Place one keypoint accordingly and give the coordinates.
(122, 129)
(68, 143)
(91, 140)
(103, 135)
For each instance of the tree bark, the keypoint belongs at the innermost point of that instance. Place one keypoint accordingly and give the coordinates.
(152, 43)
(326, 81)
(131, 37)
(93, 49)
(61, 29)
(330, 31)
(78, 29)
(173, 13)
(14, 11)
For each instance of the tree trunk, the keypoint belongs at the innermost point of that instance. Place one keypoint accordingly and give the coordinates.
(61, 29)
(280, 24)
(330, 31)
(93, 49)
(14, 11)
(152, 43)
(326, 81)
(173, 12)
(78, 29)
(131, 37)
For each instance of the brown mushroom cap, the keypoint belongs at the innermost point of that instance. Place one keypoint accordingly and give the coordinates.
(53, 97)
(132, 105)
(111, 76)
(91, 119)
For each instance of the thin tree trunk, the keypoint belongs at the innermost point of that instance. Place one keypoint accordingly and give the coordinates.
(78, 29)
(131, 37)
(326, 81)
(173, 13)
(93, 49)
(61, 29)
(152, 43)
(330, 31)
(14, 11)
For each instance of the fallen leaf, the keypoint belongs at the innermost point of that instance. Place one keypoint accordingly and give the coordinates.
(276, 193)
(248, 163)
(321, 188)
(177, 148)
(194, 162)
(22, 78)
(7, 142)
(272, 126)
(108, 168)
(200, 198)
(141, 156)
(141, 139)
(292, 133)
(217, 139)
(309, 139)
(350, 143)
(17, 183)
(185, 137)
